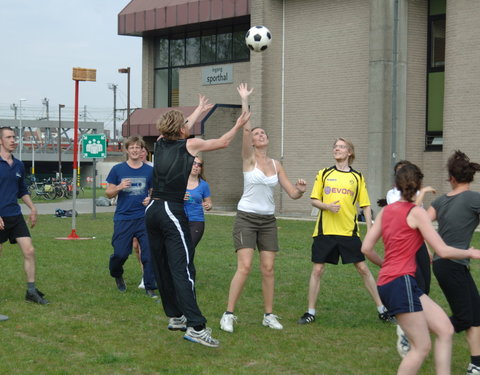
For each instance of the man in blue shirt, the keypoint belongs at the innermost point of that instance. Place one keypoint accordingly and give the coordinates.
(131, 181)
(12, 224)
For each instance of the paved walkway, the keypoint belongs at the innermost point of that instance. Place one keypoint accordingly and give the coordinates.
(83, 206)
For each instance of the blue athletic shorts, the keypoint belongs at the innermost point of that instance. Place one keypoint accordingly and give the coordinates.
(401, 295)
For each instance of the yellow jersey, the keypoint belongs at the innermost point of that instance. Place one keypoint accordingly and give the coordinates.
(349, 189)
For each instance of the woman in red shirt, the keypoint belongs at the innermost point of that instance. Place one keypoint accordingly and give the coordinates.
(404, 226)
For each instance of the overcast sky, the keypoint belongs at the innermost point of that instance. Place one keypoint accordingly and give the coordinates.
(41, 41)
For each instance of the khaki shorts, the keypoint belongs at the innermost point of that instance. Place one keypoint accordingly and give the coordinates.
(252, 231)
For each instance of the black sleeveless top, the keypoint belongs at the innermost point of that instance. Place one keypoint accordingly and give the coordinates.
(172, 166)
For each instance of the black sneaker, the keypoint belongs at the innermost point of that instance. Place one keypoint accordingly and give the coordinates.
(121, 284)
(386, 317)
(36, 297)
(151, 293)
(306, 318)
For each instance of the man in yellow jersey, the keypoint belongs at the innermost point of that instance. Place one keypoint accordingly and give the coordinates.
(336, 193)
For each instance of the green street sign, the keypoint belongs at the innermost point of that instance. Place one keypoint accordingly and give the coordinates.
(94, 146)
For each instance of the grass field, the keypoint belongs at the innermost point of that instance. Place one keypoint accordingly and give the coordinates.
(91, 328)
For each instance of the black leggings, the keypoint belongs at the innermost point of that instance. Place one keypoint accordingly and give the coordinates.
(196, 230)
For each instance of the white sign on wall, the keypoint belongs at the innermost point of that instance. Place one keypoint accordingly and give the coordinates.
(217, 75)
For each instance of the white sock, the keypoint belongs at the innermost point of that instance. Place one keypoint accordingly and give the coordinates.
(312, 311)
(381, 309)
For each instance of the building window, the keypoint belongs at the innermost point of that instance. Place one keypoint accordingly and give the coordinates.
(435, 74)
(217, 45)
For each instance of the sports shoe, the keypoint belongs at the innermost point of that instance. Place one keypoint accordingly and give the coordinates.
(151, 293)
(121, 284)
(141, 285)
(306, 318)
(36, 297)
(403, 345)
(472, 369)
(271, 320)
(203, 337)
(3, 318)
(177, 323)
(386, 317)
(226, 323)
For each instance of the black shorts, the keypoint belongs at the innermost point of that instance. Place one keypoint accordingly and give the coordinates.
(461, 292)
(15, 227)
(328, 249)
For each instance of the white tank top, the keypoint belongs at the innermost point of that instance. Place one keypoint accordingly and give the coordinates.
(257, 195)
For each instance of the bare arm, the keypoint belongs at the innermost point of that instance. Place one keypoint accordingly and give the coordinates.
(247, 149)
(421, 194)
(332, 207)
(32, 218)
(207, 203)
(418, 218)
(294, 191)
(432, 213)
(113, 190)
(367, 211)
(373, 235)
(196, 145)
(203, 106)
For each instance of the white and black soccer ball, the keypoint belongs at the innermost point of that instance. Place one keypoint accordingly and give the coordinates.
(258, 38)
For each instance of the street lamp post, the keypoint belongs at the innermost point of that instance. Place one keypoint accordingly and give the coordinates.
(60, 106)
(113, 87)
(127, 71)
(21, 129)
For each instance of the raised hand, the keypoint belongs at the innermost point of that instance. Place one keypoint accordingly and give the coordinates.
(243, 90)
(203, 104)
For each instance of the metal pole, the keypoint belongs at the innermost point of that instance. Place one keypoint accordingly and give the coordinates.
(75, 157)
(60, 106)
(33, 156)
(128, 102)
(21, 131)
(94, 216)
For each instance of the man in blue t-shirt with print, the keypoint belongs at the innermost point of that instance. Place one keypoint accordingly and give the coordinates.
(131, 182)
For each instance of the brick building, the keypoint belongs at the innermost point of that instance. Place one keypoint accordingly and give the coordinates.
(397, 77)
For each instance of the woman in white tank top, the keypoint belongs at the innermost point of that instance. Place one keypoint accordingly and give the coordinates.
(255, 224)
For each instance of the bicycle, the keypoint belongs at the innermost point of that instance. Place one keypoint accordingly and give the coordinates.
(42, 189)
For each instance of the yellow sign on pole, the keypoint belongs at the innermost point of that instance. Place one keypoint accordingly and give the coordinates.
(83, 74)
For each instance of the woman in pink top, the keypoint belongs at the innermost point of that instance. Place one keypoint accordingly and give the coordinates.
(404, 226)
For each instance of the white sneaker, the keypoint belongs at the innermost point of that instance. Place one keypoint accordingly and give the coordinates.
(472, 369)
(403, 345)
(141, 285)
(203, 337)
(177, 323)
(226, 323)
(271, 320)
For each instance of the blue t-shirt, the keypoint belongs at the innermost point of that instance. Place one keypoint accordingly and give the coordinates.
(129, 201)
(12, 187)
(193, 206)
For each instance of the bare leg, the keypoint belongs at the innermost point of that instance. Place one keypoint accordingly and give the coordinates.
(473, 339)
(28, 250)
(244, 265)
(138, 251)
(416, 327)
(267, 260)
(369, 282)
(314, 284)
(440, 325)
